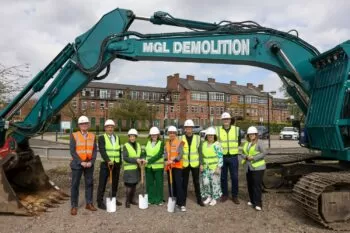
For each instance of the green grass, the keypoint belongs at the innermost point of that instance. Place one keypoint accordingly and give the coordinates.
(123, 139)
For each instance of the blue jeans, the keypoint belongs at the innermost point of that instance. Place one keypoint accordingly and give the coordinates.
(230, 163)
(76, 176)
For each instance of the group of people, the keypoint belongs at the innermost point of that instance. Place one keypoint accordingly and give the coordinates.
(208, 160)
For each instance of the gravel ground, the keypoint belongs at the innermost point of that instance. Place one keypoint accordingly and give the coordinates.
(279, 215)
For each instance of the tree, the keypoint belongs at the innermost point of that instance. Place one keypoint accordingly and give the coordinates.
(132, 110)
(12, 80)
(293, 108)
(73, 111)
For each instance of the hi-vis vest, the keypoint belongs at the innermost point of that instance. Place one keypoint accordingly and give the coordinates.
(191, 155)
(252, 152)
(84, 147)
(210, 158)
(132, 154)
(112, 151)
(171, 149)
(153, 151)
(229, 141)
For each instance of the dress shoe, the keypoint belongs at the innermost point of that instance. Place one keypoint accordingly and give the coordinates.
(223, 198)
(90, 207)
(74, 211)
(200, 203)
(101, 206)
(132, 202)
(235, 200)
(119, 203)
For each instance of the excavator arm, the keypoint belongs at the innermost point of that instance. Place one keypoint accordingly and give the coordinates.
(304, 71)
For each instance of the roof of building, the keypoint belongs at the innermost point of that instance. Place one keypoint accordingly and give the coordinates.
(200, 85)
(125, 87)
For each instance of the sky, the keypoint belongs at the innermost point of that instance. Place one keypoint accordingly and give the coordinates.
(35, 31)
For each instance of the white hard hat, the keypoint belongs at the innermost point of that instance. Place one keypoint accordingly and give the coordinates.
(132, 132)
(210, 131)
(154, 131)
(172, 129)
(225, 115)
(189, 123)
(83, 119)
(109, 122)
(252, 130)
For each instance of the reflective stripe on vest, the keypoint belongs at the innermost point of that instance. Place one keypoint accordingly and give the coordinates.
(252, 152)
(84, 146)
(132, 154)
(210, 158)
(229, 141)
(172, 151)
(153, 151)
(191, 155)
(112, 151)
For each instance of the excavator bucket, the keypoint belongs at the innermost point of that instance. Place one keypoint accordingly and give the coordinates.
(25, 189)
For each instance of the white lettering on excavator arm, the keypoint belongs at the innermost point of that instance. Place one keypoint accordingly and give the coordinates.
(213, 47)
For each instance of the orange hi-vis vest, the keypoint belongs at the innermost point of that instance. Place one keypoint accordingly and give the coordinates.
(172, 152)
(84, 146)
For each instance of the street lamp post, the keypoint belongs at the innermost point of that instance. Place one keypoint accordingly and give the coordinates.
(268, 115)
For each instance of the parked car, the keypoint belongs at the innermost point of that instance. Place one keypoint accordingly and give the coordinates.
(289, 133)
(263, 132)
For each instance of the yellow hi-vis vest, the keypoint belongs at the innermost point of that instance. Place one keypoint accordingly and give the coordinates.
(132, 154)
(252, 152)
(191, 155)
(112, 151)
(210, 158)
(153, 151)
(229, 141)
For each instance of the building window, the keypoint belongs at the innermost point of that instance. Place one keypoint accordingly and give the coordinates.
(178, 108)
(221, 110)
(134, 95)
(156, 96)
(262, 100)
(119, 94)
(157, 108)
(227, 98)
(255, 100)
(74, 104)
(171, 108)
(241, 99)
(211, 110)
(176, 96)
(103, 94)
(102, 105)
(202, 109)
(93, 106)
(110, 105)
(217, 110)
(248, 99)
(145, 96)
(166, 108)
(216, 96)
(200, 96)
(193, 109)
(84, 105)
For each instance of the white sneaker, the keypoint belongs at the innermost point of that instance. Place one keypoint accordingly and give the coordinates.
(206, 202)
(213, 202)
(258, 208)
(249, 203)
(183, 209)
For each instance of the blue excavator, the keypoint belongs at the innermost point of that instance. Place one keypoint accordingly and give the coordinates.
(318, 82)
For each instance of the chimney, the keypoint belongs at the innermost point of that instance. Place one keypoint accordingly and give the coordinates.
(177, 75)
(190, 77)
(250, 85)
(211, 80)
(233, 83)
(261, 87)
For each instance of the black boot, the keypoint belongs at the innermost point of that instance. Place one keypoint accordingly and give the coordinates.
(132, 196)
(127, 197)
(101, 205)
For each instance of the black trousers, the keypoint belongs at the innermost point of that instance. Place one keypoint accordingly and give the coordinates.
(195, 177)
(104, 177)
(89, 185)
(178, 191)
(254, 181)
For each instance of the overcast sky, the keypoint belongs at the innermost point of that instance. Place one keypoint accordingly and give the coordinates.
(34, 31)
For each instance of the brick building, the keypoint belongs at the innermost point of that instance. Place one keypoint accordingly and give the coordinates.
(181, 99)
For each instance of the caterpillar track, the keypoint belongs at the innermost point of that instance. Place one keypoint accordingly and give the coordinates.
(325, 197)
